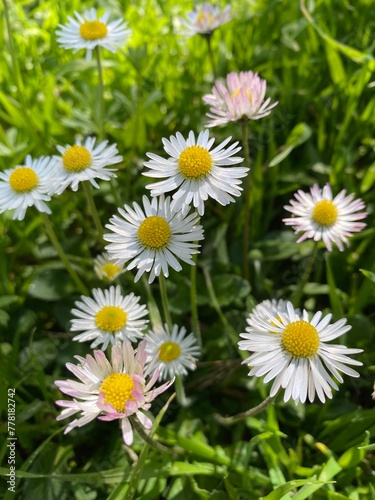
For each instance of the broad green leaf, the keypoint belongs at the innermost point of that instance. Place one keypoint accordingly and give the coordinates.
(51, 285)
(279, 492)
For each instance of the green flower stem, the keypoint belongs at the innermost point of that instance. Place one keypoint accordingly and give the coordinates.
(164, 301)
(298, 293)
(55, 242)
(180, 392)
(241, 416)
(92, 208)
(100, 92)
(194, 302)
(147, 438)
(15, 69)
(211, 55)
(246, 232)
(136, 472)
(228, 328)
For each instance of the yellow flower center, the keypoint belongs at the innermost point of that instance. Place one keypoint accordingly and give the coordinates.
(169, 351)
(195, 162)
(325, 213)
(92, 30)
(23, 179)
(301, 339)
(154, 232)
(110, 318)
(203, 16)
(117, 389)
(248, 93)
(110, 270)
(76, 159)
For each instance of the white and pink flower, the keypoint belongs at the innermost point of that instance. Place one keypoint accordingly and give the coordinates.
(113, 390)
(241, 99)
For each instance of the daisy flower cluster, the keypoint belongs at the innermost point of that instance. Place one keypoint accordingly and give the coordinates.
(163, 232)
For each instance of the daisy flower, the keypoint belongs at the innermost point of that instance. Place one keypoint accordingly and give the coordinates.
(204, 19)
(152, 238)
(196, 171)
(110, 390)
(293, 351)
(320, 217)
(109, 317)
(241, 99)
(175, 353)
(24, 186)
(88, 31)
(86, 162)
(105, 268)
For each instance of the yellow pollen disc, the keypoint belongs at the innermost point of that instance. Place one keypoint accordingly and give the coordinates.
(154, 232)
(202, 16)
(325, 213)
(76, 159)
(248, 93)
(169, 351)
(195, 162)
(110, 318)
(301, 339)
(92, 30)
(110, 270)
(117, 389)
(23, 179)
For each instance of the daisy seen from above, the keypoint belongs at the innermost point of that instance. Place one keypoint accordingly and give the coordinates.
(196, 172)
(105, 268)
(111, 390)
(86, 162)
(172, 353)
(109, 317)
(240, 100)
(205, 19)
(294, 352)
(153, 238)
(27, 185)
(321, 217)
(89, 30)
